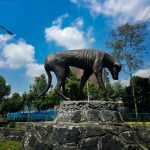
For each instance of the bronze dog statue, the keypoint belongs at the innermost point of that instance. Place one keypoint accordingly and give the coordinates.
(90, 60)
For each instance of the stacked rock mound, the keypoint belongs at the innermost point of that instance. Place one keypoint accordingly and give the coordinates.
(86, 111)
(84, 125)
(11, 134)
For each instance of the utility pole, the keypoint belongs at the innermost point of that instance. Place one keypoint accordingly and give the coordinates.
(88, 95)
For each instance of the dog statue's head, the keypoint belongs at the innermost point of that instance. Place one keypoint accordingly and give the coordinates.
(115, 70)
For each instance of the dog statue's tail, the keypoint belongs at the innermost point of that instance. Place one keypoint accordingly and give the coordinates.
(49, 80)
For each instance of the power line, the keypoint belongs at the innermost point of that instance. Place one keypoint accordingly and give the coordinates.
(144, 18)
(8, 31)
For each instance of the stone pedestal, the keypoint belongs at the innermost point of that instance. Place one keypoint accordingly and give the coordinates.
(87, 111)
(86, 125)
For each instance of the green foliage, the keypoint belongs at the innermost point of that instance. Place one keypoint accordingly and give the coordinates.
(12, 124)
(118, 91)
(127, 43)
(9, 145)
(32, 97)
(12, 104)
(53, 98)
(25, 99)
(15, 103)
(4, 88)
(73, 90)
(39, 85)
(142, 91)
(72, 87)
(94, 92)
(48, 101)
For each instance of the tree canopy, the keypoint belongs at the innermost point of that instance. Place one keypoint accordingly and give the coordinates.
(127, 44)
(12, 104)
(142, 91)
(49, 100)
(4, 88)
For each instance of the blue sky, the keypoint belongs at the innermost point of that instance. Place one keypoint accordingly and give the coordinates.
(48, 26)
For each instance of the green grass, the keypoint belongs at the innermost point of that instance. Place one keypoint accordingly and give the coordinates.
(21, 125)
(9, 145)
(142, 124)
(18, 126)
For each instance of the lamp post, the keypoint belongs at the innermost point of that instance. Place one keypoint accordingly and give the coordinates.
(88, 95)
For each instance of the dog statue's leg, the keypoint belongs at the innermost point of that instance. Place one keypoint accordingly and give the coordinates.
(67, 70)
(98, 75)
(57, 90)
(84, 78)
(98, 70)
(61, 76)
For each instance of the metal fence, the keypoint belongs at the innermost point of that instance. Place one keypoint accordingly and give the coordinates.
(33, 116)
(51, 115)
(142, 117)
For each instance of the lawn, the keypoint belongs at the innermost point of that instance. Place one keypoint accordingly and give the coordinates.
(9, 145)
(145, 124)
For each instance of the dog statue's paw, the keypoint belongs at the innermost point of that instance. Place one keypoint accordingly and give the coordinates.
(67, 98)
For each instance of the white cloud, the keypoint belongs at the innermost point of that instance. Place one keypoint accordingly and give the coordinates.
(60, 19)
(5, 37)
(89, 35)
(74, 1)
(124, 82)
(120, 10)
(94, 6)
(19, 54)
(143, 73)
(2, 63)
(70, 37)
(78, 22)
(35, 70)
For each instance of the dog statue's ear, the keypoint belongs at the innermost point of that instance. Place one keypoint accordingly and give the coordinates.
(117, 64)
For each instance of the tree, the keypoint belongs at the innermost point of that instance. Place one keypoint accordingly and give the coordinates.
(4, 92)
(127, 43)
(142, 91)
(15, 103)
(12, 104)
(26, 100)
(33, 95)
(94, 92)
(72, 87)
(4, 88)
(118, 91)
(49, 100)
(39, 85)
